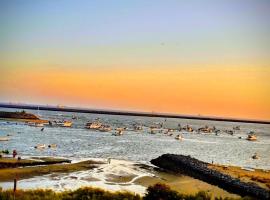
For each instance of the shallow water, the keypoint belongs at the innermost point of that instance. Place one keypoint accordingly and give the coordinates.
(77, 142)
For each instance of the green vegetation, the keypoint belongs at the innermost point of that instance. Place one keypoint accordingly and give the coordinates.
(9, 174)
(6, 151)
(12, 163)
(156, 192)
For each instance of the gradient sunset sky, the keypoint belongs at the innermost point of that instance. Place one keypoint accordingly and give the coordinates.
(208, 57)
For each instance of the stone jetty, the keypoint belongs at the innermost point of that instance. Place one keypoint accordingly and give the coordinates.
(198, 169)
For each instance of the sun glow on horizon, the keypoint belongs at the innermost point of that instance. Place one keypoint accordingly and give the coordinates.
(185, 91)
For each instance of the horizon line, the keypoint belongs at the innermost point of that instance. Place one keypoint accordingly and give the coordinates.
(127, 112)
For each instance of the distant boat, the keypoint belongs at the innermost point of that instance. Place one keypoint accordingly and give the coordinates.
(52, 145)
(40, 146)
(66, 124)
(74, 117)
(118, 133)
(105, 128)
(93, 125)
(187, 128)
(206, 129)
(236, 128)
(255, 156)
(63, 123)
(35, 124)
(179, 137)
(251, 137)
(39, 113)
(4, 139)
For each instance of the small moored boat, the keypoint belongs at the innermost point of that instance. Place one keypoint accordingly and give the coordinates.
(4, 139)
(255, 156)
(105, 128)
(118, 133)
(35, 124)
(179, 137)
(251, 137)
(40, 146)
(52, 145)
(93, 125)
(65, 124)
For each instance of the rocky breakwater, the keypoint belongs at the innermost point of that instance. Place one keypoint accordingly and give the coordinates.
(198, 169)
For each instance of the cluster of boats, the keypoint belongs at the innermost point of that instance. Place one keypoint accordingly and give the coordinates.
(62, 123)
(158, 128)
(98, 126)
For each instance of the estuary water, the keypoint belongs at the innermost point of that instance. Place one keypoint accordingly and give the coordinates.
(139, 146)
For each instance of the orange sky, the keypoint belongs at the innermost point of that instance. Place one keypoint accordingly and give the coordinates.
(187, 57)
(228, 91)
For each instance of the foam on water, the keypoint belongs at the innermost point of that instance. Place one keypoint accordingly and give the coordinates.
(97, 177)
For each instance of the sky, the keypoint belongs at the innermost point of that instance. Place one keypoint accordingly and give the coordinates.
(191, 57)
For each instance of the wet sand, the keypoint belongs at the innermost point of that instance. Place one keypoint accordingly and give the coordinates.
(118, 175)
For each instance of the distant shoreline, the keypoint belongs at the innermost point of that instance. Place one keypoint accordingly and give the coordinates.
(129, 113)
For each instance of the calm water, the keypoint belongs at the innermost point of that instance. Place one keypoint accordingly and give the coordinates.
(77, 142)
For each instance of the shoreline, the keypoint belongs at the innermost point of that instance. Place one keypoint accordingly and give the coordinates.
(118, 176)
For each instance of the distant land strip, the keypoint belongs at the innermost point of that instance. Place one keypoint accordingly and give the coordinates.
(127, 113)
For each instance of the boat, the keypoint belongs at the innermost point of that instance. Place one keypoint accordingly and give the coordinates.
(40, 146)
(52, 145)
(93, 125)
(230, 132)
(187, 128)
(105, 128)
(118, 133)
(252, 137)
(35, 124)
(179, 137)
(236, 128)
(4, 139)
(64, 123)
(137, 128)
(206, 129)
(74, 117)
(152, 131)
(255, 156)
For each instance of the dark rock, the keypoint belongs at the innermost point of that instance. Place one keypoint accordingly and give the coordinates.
(198, 169)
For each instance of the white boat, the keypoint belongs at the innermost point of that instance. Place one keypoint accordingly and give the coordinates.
(187, 128)
(206, 129)
(118, 133)
(40, 146)
(52, 145)
(64, 123)
(35, 124)
(251, 137)
(67, 124)
(255, 156)
(93, 125)
(4, 139)
(179, 137)
(105, 128)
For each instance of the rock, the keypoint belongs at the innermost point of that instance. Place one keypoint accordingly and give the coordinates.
(198, 169)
